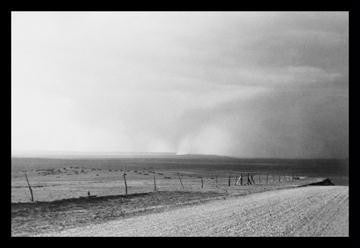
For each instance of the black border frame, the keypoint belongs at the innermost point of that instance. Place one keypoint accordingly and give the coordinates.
(269, 6)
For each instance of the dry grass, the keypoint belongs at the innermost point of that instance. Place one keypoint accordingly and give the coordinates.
(71, 182)
(35, 218)
(55, 190)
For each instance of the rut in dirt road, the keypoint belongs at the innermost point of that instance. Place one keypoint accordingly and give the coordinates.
(305, 211)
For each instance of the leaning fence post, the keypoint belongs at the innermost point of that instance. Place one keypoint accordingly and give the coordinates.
(126, 190)
(237, 179)
(30, 189)
(180, 181)
(154, 183)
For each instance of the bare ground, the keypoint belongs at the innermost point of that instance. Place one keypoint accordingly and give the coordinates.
(304, 211)
(28, 219)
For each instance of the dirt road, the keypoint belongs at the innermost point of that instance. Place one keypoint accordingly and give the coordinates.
(305, 211)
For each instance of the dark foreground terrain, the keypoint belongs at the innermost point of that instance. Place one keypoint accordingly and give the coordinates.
(311, 211)
(29, 219)
(61, 185)
(34, 218)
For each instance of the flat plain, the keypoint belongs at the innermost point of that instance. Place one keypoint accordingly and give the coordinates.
(306, 211)
(155, 184)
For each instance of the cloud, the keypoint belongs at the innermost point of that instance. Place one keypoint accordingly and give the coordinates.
(237, 83)
(282, 124)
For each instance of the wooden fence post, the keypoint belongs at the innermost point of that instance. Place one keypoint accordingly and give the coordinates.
(237, 179)
(30, 189)
(241, 179)
(202, 182)
(154, 183)
(180, 181)
(126, 190)
(229, 181)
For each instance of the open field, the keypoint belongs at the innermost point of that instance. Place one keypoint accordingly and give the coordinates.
(54, 179)
(29, 219)
(305, 211)
(61, 186)
(64, 183)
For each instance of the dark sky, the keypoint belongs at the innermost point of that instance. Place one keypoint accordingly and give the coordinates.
(247, 84)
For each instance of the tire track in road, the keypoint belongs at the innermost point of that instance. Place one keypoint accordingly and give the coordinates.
(304, 211)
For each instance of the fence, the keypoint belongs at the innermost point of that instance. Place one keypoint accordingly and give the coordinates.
(47, 186)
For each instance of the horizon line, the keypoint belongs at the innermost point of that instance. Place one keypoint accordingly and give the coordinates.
(81, 154)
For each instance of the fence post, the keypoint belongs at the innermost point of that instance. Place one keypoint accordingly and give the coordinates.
(126, 190)
(154, 183)
(30, 189)
(202, 182)
(180, 181)
(229, 181)
(241, 179)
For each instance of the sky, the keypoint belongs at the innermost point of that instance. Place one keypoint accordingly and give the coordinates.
(243, 84)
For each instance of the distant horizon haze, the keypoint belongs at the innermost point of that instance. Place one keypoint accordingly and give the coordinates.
(59, 154)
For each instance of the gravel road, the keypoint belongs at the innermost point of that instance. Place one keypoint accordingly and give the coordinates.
(304, 211)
